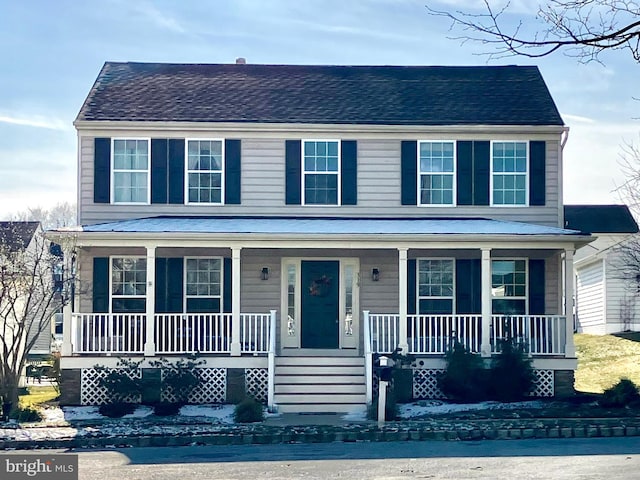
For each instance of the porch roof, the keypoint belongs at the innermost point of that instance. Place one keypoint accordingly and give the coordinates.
(324, 226)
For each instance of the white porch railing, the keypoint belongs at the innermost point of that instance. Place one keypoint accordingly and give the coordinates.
(434, 334)
(108, 332)
(125, 333)
(384, 332)
(254, 332)
(193, 332)
(541, 334)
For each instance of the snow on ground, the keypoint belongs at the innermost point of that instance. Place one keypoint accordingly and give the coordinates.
(435, 407)
(224, 413)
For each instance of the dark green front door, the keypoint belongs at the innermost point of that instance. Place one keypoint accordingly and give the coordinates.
(320, 289)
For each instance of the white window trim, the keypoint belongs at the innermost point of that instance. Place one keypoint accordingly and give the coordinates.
(184, 282)
(186, 171)
(112, 171)
(418, 296)
(304, 172)
(526, 174)
(526, 286)
(454, 175)
(111, 295)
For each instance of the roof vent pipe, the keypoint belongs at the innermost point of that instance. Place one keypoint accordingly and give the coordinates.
(241, 61)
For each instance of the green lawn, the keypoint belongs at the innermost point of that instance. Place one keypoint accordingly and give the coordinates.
(38, 395)
(605, 359)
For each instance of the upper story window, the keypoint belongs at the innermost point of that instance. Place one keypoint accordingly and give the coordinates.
(205, 171)
(435, 285)
(509, 286)
(437, 171)
(509, 173)
(203, 284)
(130, 171)
(321, 172)
(128, 284)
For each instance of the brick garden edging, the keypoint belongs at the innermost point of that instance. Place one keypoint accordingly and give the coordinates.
(393, 431)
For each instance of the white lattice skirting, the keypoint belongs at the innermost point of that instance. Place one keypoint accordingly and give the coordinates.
(256, 383)
(91, 393)
(425, 385)
(213, 388)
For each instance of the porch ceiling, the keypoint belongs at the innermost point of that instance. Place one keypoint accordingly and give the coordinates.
(379, 230)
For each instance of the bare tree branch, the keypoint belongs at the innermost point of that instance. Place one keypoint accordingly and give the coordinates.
(581, 28)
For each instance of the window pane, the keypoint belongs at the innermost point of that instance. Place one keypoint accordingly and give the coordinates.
(321, 189)
(508, 278)
(203, 277)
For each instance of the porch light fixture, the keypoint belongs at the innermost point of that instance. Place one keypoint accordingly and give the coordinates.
(264, 273)
(375, 274)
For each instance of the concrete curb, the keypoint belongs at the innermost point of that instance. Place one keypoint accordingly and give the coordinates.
(400, 431)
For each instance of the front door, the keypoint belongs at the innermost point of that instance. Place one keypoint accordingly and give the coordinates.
(320, 321)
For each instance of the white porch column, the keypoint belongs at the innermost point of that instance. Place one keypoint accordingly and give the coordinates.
(68, 329)
(149, 343)
(485, 269)
(235, 301)
(403, 344)
(570, 349)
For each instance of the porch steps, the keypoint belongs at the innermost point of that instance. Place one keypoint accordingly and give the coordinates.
(319, 384)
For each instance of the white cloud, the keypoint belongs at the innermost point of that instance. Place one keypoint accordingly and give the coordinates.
(36, 121)
(577, 118)
(158, 17)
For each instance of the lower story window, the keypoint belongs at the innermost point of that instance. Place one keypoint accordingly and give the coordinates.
(203, 285)
(128, 284)
(435, 286)
(509, 287)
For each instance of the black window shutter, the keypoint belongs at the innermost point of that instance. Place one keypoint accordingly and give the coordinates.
(536, 287)
(232, 172)
(537, 174)
(159, 170)
(409, 172)
(481, 172)
(468, 286)
(411, 286)
(349, 169)
(227, 272)
(175, 285)
(176, 170)
(100, 284)
(464, 172)
(160, 291)
(102, 170)
(293, 173)
(169, 285)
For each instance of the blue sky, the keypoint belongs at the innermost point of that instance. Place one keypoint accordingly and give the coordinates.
(51, 52)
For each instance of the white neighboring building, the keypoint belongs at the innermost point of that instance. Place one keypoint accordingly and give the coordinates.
(605, 302)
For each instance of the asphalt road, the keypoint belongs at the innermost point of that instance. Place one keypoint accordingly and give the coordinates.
(583, 459)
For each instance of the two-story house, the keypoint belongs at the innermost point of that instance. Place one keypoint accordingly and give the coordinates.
(285, 222)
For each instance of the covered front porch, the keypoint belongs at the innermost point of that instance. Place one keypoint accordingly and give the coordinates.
(331, 289)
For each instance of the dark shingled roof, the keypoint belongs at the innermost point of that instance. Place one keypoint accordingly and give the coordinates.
(377, 95)
(599, 218)
(16, 235)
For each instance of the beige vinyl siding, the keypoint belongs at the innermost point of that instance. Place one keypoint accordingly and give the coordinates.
(42, 344)
(261, 296)
(263, 184)
(590, 298)
(623, 305)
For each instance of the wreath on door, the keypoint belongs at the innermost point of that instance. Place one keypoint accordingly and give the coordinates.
(320, 286)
